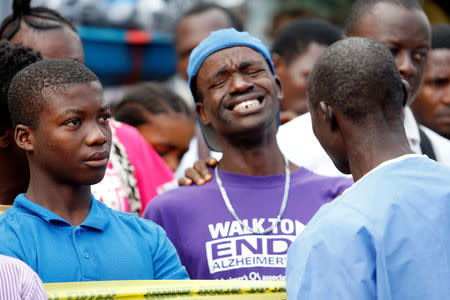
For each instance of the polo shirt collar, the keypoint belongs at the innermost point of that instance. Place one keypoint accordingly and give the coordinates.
(97, 219)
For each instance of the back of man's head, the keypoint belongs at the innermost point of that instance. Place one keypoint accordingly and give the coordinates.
(358, 77)
(25, 95)
(361, 7)
(294, 39)
(13, 58)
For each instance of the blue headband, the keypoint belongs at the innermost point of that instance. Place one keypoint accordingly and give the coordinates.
(221, 39)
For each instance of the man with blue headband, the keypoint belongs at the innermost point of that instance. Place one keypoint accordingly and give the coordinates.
(240, 224)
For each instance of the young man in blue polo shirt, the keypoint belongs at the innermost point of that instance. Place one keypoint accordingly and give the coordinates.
(57, 227)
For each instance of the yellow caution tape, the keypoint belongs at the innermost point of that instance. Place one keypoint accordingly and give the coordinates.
(167, 289)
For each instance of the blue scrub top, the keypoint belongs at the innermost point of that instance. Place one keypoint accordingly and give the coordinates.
(386, 237)
(108, 245)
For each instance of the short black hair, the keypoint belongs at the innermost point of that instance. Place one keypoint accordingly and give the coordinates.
(359, 77)
(38, 18)
(440, 36)
(153, 97)
(25, 97)
(294, 39)
(361, 7)
(202, 7)
(13, 58)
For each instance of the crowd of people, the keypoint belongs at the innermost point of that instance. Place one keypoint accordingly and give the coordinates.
(322, 161)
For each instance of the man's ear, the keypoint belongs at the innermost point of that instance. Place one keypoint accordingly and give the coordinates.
(406, 91)
(200, 109)
(328, 115)
(24, 137)
(279, 89)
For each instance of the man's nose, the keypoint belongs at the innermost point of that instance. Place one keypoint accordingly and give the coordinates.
(239, 84)
(405, 64)
(96, 135)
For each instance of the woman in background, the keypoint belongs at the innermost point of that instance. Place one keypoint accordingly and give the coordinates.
(161, 116)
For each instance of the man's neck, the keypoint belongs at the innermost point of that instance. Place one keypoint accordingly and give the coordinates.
(369, 151)
(13, 181)
(258, 161)
(70, 202)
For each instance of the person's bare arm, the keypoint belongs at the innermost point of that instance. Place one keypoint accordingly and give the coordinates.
(199, 173)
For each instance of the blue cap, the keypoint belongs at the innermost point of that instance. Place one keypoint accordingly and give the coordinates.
(218, 40)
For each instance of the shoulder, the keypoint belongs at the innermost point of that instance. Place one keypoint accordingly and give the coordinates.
(132, 222)
(180, 197)
(393, 189)
(336, 230)
(19, 278)
(13, 217)
(311, 177)
(15, 228)
(12, 264)
(182, 194)
(328, 186)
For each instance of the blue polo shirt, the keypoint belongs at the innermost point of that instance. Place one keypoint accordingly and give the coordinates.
(108, 245)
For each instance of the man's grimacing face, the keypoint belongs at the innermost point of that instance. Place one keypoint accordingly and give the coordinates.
(239, 91)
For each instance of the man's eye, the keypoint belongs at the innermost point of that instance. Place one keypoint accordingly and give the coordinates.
(394, 51)
(105, 117)
(218, 83)
(254, 71)
(440, 82)
(73, 122)
(419, 56)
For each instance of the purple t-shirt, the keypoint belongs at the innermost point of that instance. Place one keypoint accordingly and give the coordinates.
(211, 243)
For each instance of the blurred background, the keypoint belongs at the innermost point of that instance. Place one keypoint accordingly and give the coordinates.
(127, 41)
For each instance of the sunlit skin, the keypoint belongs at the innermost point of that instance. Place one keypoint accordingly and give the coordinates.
(69, 149)
(192, 30)
(294, 77)
(406, 33)
(54, 43)
(432, 106)
(169, 134)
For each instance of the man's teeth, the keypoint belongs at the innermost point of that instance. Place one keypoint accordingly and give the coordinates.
(246, 105)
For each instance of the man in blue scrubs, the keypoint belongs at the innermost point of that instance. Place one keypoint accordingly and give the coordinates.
(57, 227)
(387, 236)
